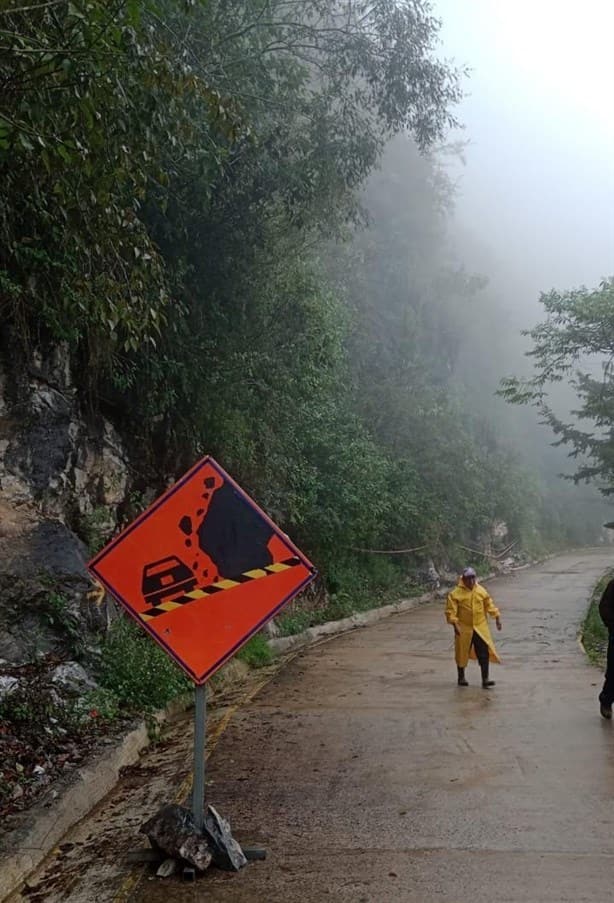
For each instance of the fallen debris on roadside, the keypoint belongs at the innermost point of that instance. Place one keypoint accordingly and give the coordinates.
(173, 836)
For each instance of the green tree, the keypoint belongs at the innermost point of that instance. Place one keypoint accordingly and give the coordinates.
(171, 175)
(414, 311)
(574, 346)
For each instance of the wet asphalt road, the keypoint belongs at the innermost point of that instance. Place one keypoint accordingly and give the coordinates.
(369, 776)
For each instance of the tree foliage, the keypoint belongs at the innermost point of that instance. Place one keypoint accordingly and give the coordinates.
(575, 345)
(184, 207)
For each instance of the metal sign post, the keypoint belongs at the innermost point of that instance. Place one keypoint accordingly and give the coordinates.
(203, 561)
(200, 725)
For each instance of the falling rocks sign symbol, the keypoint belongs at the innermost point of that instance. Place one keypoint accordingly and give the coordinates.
(202, 569)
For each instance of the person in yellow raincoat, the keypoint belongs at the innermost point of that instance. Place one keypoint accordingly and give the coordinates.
(467, 607)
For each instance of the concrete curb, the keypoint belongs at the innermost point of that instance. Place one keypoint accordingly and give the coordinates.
(43, 826)
(284, 644)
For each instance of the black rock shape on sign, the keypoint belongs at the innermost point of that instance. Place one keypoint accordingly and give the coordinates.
(233, 534)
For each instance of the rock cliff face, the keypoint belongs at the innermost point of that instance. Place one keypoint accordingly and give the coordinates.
(62, 482)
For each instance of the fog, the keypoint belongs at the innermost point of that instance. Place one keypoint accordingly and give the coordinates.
(535, 194)
(533, 203)
(538, 183)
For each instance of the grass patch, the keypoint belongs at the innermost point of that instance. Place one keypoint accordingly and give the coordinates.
(137, 676)
(256, 652)
(134, 668)
(594, 631)
(296, 621)
(354, 586)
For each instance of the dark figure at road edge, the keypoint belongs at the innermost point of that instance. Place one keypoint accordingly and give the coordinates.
(466, 609)
(606, 612)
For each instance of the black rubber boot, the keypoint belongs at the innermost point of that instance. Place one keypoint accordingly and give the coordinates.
(605, 708)
(486, 683)
(462, 682)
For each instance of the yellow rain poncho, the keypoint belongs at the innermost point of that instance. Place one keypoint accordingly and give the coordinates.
(468, 608)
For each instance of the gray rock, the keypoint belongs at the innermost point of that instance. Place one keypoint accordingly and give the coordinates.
(194, 850)
(433, 578)
(271, 629)
(172, 830)
(167, 868)
(42, 558)
(7, 685)
(72, 678)
(57, 471)
(227, 854)
(44, 547)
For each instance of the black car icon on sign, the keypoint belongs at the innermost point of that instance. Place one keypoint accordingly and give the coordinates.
(166, 580)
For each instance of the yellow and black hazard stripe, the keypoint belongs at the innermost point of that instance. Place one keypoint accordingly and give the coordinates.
(218, 587)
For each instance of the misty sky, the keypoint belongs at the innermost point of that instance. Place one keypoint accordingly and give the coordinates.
(539, 181)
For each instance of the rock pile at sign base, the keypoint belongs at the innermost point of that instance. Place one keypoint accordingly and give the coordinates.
(172, 831)
(226, 852)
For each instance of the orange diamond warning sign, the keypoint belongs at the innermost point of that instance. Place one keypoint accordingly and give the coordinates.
(202, 569)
